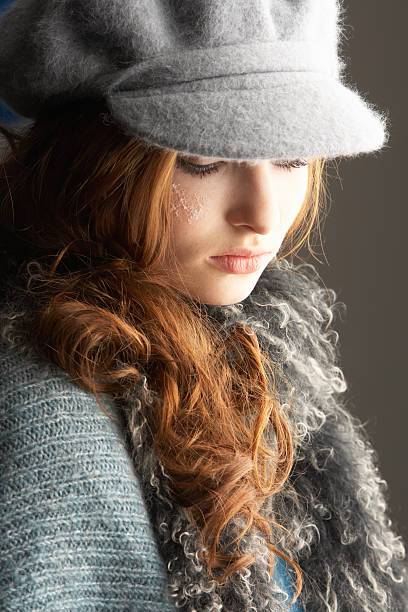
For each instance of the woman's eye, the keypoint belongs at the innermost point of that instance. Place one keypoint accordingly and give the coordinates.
(197, 169)
(289, 164)
(201, 170)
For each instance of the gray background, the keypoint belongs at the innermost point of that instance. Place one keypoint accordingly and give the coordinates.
(365, 237)
(364, 241)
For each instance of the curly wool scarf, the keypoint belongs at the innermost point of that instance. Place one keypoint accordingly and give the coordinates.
(333, 510)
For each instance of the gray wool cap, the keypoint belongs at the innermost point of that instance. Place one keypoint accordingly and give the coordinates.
(234, 79)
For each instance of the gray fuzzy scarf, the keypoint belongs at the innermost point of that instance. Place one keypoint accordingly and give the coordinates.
(333, 509)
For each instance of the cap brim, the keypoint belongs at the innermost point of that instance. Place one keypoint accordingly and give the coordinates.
(275, 116)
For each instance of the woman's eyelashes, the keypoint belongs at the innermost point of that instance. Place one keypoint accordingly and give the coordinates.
(202, 170)
(197, 169)
(290, 164)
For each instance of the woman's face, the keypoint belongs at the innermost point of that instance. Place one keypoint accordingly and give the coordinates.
(224, 206)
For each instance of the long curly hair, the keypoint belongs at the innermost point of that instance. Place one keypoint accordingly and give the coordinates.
(88, 209)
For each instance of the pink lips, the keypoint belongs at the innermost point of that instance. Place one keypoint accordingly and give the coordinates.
(239, 264)
(244, 252)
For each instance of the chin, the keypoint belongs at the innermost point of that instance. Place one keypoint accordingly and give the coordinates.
(228, 297)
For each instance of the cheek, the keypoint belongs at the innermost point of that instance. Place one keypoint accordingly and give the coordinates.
(187, 206)
(293, 197)
(298, 193)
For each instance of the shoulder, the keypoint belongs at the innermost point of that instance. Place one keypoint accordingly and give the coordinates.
(40, 402)
(73, 517)
(34, 387)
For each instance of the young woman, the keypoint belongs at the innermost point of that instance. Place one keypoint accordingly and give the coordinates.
(173, 426)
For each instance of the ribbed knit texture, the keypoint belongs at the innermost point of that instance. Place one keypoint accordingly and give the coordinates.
(75, 533)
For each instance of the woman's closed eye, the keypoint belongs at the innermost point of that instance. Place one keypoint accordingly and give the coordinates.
(197, 169)
(203, 169)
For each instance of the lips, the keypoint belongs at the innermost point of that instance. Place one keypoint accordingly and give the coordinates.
(245, 252)
(238, 264)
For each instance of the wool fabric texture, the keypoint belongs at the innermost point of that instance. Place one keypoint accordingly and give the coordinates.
(235, 79)
(88, 519)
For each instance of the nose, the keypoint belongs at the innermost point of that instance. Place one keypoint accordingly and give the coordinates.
(256, 199)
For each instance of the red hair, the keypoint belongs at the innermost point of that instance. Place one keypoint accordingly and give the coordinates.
(93, 206)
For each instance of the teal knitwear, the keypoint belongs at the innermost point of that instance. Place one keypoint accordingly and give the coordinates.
(285, 579)
(75, 532)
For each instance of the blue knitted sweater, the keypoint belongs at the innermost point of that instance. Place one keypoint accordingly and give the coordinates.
(75, 530)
